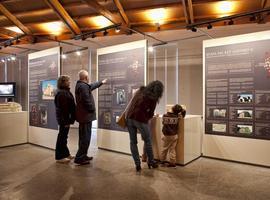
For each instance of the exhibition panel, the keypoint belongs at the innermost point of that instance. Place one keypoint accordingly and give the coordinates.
(43, 70)
(237, 97)
(125, 68)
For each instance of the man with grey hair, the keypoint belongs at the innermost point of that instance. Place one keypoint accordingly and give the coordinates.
(85, 114)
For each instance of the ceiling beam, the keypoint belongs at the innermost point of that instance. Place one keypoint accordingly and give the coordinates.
(263, 3)
(64, 16)
(121, 10)
(14, 20)
(190, 8)
(185, 11)
(103, 11)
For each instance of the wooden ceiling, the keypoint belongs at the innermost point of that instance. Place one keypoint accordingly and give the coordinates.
(74, 17)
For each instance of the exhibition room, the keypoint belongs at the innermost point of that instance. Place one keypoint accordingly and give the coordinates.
(161, 99)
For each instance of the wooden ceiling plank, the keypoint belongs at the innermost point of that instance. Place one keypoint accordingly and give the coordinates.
(8, 33)
(64, 16)
(121, 10)
(190, 8)
(185, 11)
(14, 20)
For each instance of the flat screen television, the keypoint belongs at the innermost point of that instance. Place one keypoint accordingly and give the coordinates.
(7, 89)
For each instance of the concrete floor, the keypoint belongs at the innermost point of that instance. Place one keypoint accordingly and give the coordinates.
(29, 172)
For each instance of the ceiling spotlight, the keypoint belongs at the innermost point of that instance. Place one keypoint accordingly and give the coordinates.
(8, 59)
(13, 58)
(78, 53)
(64, 56)
(150, 49)
(209, 26)
(117, 29)
(194, 29)
(18, 41)
(130, 32)
(105, 33)
(83, 38)
(231, 22)
(93, 35)
(252, 18)
(3, 60)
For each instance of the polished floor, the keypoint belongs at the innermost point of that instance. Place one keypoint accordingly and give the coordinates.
(29, 172)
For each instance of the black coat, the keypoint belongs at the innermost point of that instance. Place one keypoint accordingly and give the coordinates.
(85, 109)
(65, 107)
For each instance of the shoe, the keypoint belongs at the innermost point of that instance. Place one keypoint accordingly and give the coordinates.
(144, 158)
(162, 162)
(63, 160)
(89, 158)
(70, 157)
(172, 165)
(85, 162)
(152, 165)
(138, 168)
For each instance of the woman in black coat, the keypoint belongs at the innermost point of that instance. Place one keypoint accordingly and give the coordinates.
(65, 115)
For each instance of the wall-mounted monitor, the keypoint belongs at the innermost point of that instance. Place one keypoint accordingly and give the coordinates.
(7, 89)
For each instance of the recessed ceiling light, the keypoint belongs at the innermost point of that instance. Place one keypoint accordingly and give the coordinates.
(150, 49)
(64, 56)
(78, 53)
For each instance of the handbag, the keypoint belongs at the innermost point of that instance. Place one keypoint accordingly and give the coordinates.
(122, 121)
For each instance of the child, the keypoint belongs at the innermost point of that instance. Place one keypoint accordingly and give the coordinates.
(170, 127)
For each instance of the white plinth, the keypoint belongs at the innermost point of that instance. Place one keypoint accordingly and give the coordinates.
(116, 141)
(13, 128)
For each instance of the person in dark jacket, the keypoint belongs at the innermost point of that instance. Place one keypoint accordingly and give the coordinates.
(139, 111)
(85, 114)
(170, 122)
(65, 115)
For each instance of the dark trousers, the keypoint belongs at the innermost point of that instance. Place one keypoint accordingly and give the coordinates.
(85, 132)
(61, 150)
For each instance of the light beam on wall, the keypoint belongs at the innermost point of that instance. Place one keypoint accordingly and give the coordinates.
(157, 15)
(225, 7)
(55, 28)
(101, 21)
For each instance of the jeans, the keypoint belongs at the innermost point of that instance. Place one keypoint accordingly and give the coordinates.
(133, 126)
(61, 149)
(85, 132)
